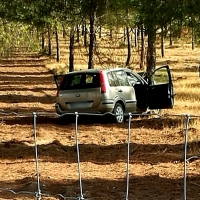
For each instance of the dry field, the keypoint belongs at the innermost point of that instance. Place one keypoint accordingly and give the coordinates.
(156, 144)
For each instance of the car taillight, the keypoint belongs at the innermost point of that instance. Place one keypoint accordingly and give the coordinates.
(102, 82)
(58, 90)
(57, 93)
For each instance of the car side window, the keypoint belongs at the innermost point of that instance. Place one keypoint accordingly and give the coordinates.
(115, 79)
(122, 78)
(111, 79)
(132, 78)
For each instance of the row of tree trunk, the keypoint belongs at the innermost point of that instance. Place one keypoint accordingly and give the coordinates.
(147, 51)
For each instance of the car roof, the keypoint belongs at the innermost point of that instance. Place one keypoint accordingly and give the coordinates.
(100, 69)
(97, 70)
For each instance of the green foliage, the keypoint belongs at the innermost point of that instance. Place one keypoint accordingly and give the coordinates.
(40, 14)
(154, 13)
(15, 35)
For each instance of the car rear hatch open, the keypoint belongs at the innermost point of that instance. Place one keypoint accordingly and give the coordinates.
(79, 91)
(58, 79)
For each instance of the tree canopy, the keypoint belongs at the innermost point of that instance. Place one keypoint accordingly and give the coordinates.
(151, 14)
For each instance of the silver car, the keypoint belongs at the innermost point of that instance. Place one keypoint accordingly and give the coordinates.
(118, 91)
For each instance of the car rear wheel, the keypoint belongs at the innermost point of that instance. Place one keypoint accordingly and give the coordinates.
(119, 113)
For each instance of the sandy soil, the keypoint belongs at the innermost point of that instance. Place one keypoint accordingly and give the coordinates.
(156, 147)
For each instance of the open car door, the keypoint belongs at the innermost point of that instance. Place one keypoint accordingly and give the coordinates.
(57, 79)
(160, 92)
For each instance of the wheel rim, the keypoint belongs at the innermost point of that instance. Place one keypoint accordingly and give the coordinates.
(119, 114)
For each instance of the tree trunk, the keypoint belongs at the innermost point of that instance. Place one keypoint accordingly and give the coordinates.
(180, 24)
(49, 41)
(85, 34)
(92, 36)
(136, 36)
(100, 29)
(57, 46)
(64, 31)
(43, 43)
(78, 34)
(193, 38)
(111, 33)
(142, 50)
(83, 30)
(128, 46)
(170, 34)
(71, 50)
(125, 35)
(151, 51)
(162, 43)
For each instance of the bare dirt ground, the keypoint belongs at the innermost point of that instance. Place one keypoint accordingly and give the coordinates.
(156, 147)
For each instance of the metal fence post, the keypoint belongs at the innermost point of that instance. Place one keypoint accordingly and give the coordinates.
(128, 157)
(78, 156)
(38, 193)
(185, 155)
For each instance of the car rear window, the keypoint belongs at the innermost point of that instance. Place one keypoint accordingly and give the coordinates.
(80, 81)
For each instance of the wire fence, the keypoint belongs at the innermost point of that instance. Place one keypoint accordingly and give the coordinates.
(38, 193)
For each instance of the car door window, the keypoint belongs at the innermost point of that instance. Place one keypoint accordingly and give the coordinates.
(133, 79)
(160, 89)
(160, 77)
(122, 78)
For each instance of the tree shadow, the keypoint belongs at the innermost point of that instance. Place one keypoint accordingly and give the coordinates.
(186, 69)
(187, 96)
(27, 74)
(15, 98)
(37, 89)
(140, 187)
(29, 79)
(98, 154)
(33, 59)
(14, 65)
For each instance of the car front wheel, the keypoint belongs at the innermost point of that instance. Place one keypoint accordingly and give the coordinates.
(119, 113)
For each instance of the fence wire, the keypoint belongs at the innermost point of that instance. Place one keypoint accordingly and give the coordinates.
(38, 194)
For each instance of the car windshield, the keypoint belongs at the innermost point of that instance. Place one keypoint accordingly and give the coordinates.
(80, 81)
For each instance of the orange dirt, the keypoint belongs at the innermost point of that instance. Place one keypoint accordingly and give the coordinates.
(156, 147)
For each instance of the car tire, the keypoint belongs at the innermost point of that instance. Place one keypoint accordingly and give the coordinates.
(119, 113)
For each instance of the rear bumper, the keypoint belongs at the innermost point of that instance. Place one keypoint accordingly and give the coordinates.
(103, 108)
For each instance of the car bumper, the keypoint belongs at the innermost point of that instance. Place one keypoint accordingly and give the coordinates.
(103, 108)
